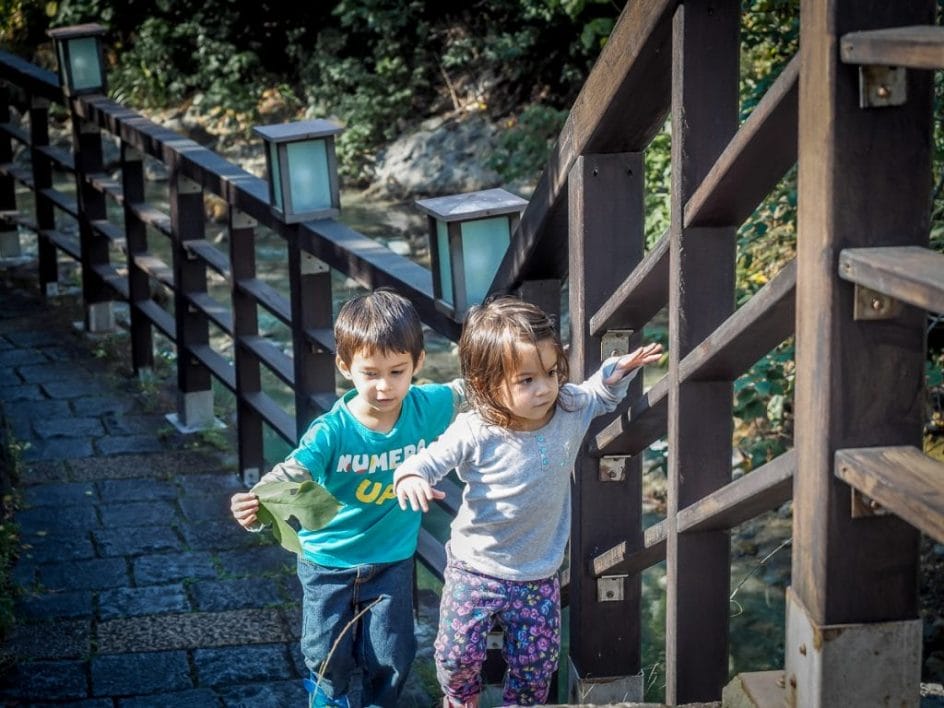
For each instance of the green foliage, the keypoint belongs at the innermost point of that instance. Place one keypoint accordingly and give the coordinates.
(658, 169)
(291, 506)
(763, 403)
(770, 36)
(10, 461)
(170, 61)
(523, 146)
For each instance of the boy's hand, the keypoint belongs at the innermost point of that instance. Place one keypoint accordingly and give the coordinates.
(418, 492)
(244, 507)
(648, 354)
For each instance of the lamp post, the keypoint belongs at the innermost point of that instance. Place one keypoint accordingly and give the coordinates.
(303, 169)
(468, 236)
(81, 64)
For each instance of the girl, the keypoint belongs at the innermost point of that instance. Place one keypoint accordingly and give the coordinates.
(515, 450)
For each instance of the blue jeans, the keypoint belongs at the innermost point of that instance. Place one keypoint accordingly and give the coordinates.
(380, 645)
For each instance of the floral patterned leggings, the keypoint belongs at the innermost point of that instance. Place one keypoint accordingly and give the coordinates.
(529, 614)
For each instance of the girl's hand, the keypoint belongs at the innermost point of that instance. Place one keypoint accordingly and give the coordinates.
(244, 507)
(648, 354)
(418, 492)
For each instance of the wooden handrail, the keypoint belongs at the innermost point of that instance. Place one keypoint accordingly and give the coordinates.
(621, 107)
(913, 47)
(911, 274)
(753, 162)
(752, 331)
(758, 491)
(901, 479)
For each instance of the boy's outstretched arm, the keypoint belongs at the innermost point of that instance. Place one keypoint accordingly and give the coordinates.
(416, 491)
(648, 354)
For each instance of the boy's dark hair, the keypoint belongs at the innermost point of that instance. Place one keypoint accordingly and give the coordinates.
(383, 322)
(488, 353)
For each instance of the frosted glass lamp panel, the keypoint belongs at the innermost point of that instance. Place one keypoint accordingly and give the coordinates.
(484, 242)
(61, 53)
(445, 261)
(275, 179)
(307, 166)
(83, 59)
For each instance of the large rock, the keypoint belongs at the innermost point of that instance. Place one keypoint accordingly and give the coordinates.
(444, 155)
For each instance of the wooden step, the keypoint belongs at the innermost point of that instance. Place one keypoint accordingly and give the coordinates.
(902, 479)
(914, 47)
(911, 274)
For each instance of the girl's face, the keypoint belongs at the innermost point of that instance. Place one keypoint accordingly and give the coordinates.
(530, 392)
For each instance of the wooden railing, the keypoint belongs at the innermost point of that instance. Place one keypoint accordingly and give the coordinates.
(854, 298)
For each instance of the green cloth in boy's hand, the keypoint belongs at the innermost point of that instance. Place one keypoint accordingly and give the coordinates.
(290, 506)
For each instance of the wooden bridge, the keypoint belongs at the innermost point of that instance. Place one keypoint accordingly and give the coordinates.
(852, 110)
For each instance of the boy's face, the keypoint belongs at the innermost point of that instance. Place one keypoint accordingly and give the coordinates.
(382, 381)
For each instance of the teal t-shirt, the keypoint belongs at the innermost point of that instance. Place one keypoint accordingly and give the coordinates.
(356, 465)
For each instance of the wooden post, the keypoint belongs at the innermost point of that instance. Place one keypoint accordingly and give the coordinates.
(606, 234)
(242, 259)
(701, 295)
(45, 210)
(9, 232)
(864, 180)
(194, 391)
(546, 294)
(139, 287)
(87, 148)
(310, 281)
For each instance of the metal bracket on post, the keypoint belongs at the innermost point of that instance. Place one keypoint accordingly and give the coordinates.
(872, 305)
(615, 342)
(613, 469)
(87, 127)
(312, 266)
(864, 507)
(241, 220)
(129, 153)
(882, 86)
(185, 185)
(250, 476)
(610, 588)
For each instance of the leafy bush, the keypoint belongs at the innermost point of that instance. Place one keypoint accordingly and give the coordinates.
(524, 143)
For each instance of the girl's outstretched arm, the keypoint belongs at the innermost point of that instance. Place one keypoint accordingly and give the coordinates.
(648, 354)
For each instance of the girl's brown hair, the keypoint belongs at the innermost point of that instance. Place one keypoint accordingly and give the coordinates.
(488, 355)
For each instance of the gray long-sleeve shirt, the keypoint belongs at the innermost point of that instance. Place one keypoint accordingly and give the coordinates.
(514, 520)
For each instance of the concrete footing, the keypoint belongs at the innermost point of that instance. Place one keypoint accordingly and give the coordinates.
(874, 664)
(605, 690)
(195, 413)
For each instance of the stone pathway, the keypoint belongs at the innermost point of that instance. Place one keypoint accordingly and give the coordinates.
(135, 586)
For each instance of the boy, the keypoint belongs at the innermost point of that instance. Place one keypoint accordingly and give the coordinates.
(362, 560)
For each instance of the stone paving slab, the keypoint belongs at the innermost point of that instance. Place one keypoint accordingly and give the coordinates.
(43, 605)
(62, 639)
(196, 629)
(236, 594)
(226, 666)
(144, 672)
(132, 602)
(136, 541)
(48, 680)
(195, 698)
